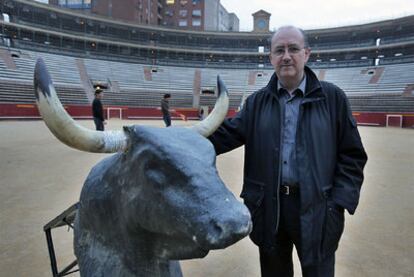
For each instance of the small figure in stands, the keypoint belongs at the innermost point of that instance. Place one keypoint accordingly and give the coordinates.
(97, 110)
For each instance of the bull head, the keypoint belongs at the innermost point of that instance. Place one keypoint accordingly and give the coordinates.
(161, 200)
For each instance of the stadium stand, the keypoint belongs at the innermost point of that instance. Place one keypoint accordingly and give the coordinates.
(373, 63)
(136, 90)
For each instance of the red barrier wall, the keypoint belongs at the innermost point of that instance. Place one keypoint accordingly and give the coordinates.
(380, 119)
(30, 111)
(27, 111)
(18, 110)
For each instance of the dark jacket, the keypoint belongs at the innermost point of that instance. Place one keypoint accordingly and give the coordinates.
(165, 107)
(329, 152)
(97, 109)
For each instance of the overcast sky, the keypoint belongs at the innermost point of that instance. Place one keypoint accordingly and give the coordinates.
(311, 14)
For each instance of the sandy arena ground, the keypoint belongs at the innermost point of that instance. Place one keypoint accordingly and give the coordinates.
(40, 177)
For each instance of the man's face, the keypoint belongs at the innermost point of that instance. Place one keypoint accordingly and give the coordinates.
(288, 55)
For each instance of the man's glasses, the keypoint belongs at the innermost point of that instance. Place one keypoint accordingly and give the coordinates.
(292, 50)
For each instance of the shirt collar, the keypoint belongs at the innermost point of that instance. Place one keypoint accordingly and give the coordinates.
(301, 87)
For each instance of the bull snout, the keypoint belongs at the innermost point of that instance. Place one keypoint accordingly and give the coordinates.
(227, 228)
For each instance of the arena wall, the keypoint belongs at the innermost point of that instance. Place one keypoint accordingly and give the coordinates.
(29, 111)
(380, 119)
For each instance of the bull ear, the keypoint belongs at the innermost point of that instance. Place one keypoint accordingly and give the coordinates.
(128, 129)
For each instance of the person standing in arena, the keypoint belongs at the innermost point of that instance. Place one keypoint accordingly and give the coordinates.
(303, 163)
(97, 110)
(165, 109)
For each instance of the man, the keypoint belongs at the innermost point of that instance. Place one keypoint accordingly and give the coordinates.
(165, 108)
(97, 110)
(304, 161)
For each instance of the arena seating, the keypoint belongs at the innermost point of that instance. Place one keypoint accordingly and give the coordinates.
(22, 93)
(138, 85)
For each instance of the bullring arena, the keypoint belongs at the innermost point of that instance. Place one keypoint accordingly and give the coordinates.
(41, 177)
(135, 65)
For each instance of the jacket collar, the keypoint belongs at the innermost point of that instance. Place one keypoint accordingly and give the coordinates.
(312, 84)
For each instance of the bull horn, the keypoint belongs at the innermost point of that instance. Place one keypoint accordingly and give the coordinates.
(64, 127)
(217, 115)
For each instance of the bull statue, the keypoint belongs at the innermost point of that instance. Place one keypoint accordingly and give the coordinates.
(158, 200)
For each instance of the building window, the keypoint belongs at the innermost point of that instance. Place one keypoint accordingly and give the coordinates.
(183, 13)
(196, 12)
(196, 22)
(170, 2)
(183, 2)
(195, 2)
(75, 4)
(182, 23)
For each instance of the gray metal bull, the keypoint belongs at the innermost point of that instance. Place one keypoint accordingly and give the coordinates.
(158, 200)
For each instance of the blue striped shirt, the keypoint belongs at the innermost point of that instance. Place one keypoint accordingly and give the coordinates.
(290, 109)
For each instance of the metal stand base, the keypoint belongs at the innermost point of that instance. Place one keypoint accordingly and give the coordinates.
(64, 219)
